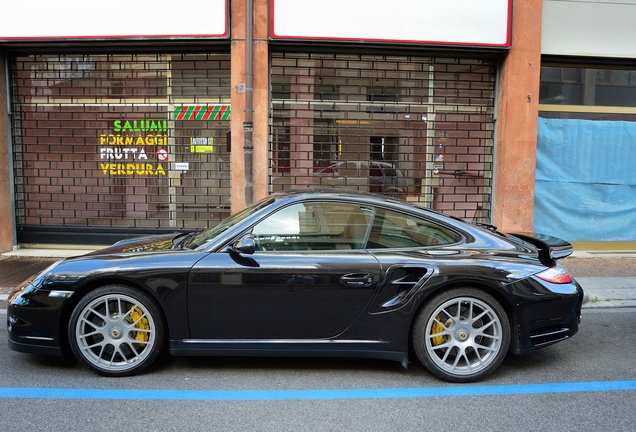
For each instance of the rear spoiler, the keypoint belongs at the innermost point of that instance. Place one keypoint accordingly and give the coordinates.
(550, 248)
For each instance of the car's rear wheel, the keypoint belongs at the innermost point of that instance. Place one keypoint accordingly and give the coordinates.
(116, 330)
(461, 335)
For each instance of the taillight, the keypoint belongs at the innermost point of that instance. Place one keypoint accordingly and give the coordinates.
(556, 275)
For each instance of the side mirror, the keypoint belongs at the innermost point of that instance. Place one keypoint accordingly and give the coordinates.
(245, 245)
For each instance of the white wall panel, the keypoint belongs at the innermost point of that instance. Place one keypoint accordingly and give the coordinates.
(447, 22)
(589, 28)
(83, 19)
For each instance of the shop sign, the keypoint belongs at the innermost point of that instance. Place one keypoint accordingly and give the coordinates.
(115, 19)
(466, 23)
(201, 145)
(124, 152)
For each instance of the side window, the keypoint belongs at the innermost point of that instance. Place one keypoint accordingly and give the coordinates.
(314, 226)
(396, 230)
(390, 172)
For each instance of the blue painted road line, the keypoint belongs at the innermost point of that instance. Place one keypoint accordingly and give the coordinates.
(296, 395)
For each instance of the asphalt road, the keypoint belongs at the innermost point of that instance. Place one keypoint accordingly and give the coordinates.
(585, 384)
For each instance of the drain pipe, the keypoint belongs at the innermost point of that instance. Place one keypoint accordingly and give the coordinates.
(248, 125)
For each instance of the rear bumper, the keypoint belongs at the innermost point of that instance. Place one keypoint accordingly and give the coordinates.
(548, 317)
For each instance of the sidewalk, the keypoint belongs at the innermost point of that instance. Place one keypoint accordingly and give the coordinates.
(608, 279)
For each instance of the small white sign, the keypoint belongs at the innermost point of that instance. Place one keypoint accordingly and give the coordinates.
(182, 166)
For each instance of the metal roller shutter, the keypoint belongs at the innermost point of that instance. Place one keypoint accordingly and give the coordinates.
(421, 128)
(119, 144)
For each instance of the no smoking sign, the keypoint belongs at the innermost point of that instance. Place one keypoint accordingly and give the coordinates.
(162, 154)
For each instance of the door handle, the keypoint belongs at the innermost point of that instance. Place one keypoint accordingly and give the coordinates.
(357, 279)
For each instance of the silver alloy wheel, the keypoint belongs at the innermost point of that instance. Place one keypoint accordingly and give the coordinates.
(463, 336)
(115, 333)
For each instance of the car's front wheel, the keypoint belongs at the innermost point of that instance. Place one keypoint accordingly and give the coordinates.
(461, 335)
(116, 330)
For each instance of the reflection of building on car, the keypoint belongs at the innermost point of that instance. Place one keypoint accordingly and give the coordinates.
(366, 176)
(370, 176)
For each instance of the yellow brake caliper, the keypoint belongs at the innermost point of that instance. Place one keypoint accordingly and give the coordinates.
(137, 316)
(437, 329)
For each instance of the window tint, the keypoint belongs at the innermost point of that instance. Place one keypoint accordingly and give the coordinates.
(396, 230)
(390, 172)
(315, 225)
(204, 237)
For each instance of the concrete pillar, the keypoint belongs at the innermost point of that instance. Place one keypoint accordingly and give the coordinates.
(260, 103)
(6, 171)
(517, 119)
(261, 99)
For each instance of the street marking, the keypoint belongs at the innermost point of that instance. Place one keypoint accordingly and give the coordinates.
(296, 395)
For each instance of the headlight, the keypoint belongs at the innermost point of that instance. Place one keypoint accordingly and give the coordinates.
(39, 279)
(14, 295)
(19, 296)
(30, 285)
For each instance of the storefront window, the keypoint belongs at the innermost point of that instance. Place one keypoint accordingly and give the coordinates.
(121, 141)
(417, 128)
(587, 86)
(585, 186)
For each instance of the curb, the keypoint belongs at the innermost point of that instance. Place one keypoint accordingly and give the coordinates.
(597, 303)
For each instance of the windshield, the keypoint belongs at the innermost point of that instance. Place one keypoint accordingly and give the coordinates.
(206, 236)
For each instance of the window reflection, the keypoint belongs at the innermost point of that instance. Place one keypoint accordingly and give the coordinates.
(574, 85)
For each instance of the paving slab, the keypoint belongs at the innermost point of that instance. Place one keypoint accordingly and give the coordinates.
(14, 271)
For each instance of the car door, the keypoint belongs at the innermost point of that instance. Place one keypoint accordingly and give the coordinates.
(309, 277)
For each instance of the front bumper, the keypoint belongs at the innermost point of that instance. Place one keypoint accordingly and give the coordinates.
(33, 322)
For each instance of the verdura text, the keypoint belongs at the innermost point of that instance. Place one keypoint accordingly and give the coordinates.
(142, 169)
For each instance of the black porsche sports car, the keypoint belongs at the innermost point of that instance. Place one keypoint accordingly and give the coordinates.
(307, 274)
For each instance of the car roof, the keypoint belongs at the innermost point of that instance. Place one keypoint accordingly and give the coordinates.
(332, 193)
(360, 196)
(383, 164)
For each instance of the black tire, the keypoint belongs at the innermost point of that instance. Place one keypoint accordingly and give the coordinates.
(461, 335)
(116, 331)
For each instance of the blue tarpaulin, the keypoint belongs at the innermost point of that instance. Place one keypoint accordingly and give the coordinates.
(585, 186)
